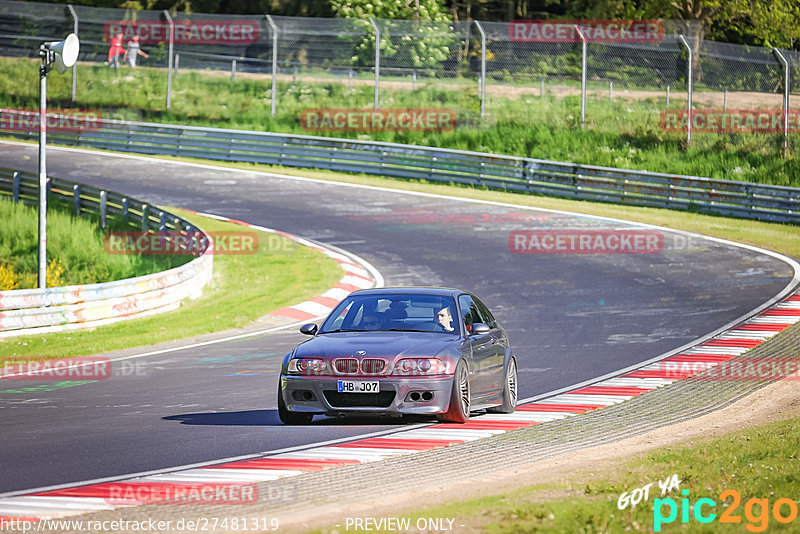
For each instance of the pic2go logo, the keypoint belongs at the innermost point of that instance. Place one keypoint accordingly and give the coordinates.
(756, 511)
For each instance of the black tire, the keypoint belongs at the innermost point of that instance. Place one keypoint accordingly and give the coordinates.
(509, 390)
(458, 411)
(291, 418)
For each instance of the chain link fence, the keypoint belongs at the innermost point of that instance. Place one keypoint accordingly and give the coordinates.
(484, 72)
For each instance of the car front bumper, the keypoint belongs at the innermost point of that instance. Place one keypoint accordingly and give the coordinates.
(318, 395)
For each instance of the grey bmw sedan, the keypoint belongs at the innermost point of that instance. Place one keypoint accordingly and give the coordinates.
(396, 351)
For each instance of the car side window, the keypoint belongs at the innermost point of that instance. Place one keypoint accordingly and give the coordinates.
(487, 316)
(470, 311)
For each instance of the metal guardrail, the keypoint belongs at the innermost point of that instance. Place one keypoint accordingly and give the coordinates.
(587, 182)
(27, 311)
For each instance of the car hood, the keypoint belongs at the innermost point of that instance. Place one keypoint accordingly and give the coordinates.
(377, 344)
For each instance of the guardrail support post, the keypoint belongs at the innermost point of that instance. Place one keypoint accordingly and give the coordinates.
(274, 62)
(162, 221)
(145, 218)
(690, 85)
(76, 199)
(377, 61)
(233, 70)
(786, 82)
(75, 66)
(483, 69)
(125, 210)
(583, 74)
(103, 209)
(169, 64)
(15, 187)
(177, 64)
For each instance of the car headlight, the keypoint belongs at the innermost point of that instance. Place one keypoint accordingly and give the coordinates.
(419, 366)
(307, 366)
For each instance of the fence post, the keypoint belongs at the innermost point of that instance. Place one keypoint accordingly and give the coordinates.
(350, 79)
(610, 90)
(483, 68)
(583, 74)
(786, 81)
(76, 199)
(177, 64)
(294, 74)
(377, 60)
(413, 79)
(75, 66)
(274, 62)
(169, 61)
(690, 82)
(667, 95)
(541, 86)
(725, 101)
(233, 70)
(15, 188)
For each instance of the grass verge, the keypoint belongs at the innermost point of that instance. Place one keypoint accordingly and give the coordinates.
(760, 463)
(624, 133)
(244, 287)
(75, 244)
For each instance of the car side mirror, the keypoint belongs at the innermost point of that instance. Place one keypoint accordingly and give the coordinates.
(480, 328)
(309, 329)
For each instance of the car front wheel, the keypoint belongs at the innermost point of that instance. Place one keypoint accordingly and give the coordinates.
(458, 412)
(291, 418)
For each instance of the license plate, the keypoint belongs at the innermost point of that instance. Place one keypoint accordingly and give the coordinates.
(357, 386)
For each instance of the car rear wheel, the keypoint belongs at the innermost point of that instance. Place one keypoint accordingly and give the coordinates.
(509, 390)
(291, 418)
(458, 412)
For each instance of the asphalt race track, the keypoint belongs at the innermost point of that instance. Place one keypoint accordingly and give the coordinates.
(570, 317)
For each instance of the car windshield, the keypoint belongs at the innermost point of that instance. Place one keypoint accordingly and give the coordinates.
(394, 312)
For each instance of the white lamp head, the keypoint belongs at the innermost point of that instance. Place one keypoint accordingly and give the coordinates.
(66, 52)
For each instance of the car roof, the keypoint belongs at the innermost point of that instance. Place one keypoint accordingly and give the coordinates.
(435, 291)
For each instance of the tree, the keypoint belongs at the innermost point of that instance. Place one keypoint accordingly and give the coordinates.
(423, 42)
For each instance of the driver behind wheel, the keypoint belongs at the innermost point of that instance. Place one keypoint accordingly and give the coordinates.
(444, 319)
(372, 321)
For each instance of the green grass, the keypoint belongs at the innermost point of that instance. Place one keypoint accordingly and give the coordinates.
(759, 463)
(76, 242)
(623, 133)
(244, 287)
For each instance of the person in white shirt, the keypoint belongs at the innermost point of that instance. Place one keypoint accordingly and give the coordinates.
(133, 51)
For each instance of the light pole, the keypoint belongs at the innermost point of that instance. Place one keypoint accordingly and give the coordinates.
(64, 54)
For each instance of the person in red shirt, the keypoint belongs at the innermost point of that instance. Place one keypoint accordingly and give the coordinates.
(115, 51)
